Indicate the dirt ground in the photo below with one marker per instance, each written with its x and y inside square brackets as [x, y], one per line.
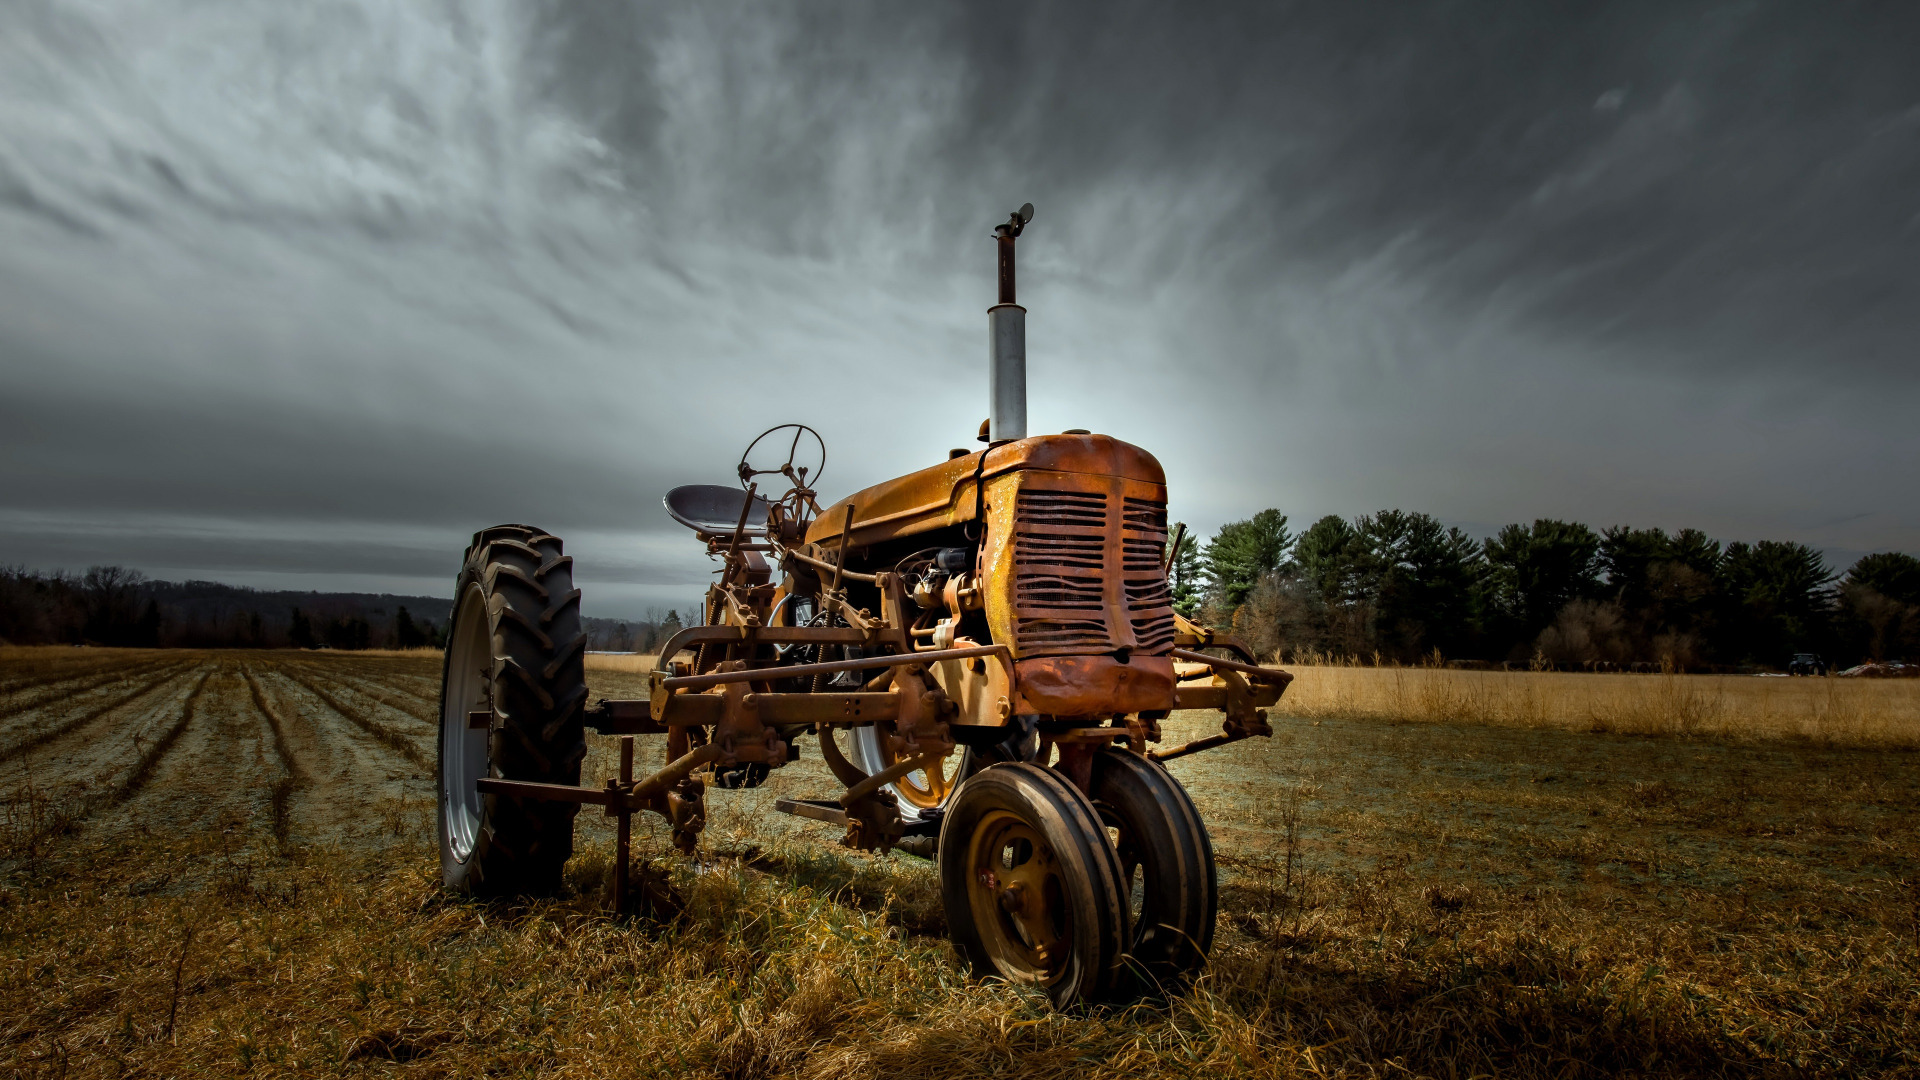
[216, 863]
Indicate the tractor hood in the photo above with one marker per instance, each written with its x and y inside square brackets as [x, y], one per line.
[947, 494]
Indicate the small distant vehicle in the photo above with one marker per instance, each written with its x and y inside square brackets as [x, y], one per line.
[1806, 663]
[992, 634]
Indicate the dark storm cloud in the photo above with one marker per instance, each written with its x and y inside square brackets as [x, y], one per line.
[1734, 183]
[390, 272]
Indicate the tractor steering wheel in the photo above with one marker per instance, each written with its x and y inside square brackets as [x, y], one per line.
[802, 476]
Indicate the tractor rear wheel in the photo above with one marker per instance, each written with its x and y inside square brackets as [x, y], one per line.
[1030, 884]
[920, 791]
[512, 705]
[1166, 865]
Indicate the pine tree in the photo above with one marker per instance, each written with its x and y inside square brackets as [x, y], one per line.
[1536, 570]
[405, 634]
[1241, 552]
[1419, 578]
[1779, 597]
[1184, 574]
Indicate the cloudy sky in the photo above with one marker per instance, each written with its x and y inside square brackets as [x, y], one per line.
[300, 295]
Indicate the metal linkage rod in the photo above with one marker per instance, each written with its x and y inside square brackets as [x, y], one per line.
[1259, 673]
[825, 566]
[638, 798]
[1193, 747]
[840, 560]
[886, 776]
[721, 678]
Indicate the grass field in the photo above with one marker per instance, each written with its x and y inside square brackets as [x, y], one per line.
[221, 863]
[1882, 713]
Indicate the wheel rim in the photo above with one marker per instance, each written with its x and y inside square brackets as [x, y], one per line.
[463, 753]
[1018, 896]
[921, 789]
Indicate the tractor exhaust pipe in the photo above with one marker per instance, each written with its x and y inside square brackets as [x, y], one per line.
[1007, 343]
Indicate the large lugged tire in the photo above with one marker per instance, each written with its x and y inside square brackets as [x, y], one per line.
[1030, 884]
[515, 649]
[1166, 863]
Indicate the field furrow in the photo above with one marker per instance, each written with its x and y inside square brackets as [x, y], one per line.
[53, 792]
[67, 689]
[48, 674]
[408, 710]
[421, 687]
[290, 773]
[399, 741]
[144, 765]
[215, 783]
[36, 738]
[413, 678]
[350, 785]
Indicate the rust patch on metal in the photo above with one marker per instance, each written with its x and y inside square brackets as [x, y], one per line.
[1096, 685]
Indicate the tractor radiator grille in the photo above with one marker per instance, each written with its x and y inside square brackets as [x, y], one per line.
[1143, 542]
[1088, 575]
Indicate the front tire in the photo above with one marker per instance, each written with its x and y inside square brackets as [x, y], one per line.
[1166, 866]
[515, 657]
[1030, 884]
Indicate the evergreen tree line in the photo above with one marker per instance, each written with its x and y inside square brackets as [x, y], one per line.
[111, 605]
[1401, 587]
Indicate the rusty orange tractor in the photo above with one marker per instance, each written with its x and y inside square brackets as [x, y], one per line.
[994, 637]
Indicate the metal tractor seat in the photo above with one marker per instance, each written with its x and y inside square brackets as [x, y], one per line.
[713, 509]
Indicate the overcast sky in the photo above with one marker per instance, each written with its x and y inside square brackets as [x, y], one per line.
[301, 294]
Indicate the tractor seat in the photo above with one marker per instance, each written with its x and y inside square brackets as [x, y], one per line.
[711, 509]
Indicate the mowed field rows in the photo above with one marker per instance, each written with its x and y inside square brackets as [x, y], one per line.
[222, 863]
[310, 751]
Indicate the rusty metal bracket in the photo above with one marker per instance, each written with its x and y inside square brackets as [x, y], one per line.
[671, 792]
[1076, 759]
[721, 678]
[623, 842]
[741, 735]
[872, 820]
[1233, 695]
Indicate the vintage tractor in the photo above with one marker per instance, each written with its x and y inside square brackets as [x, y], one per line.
[993, 634]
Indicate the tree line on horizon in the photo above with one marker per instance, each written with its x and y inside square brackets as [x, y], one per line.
[1394, 586]
[115, 606]
[1400, 587]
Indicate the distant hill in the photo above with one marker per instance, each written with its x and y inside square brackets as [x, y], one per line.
[209, 614]
[211, 602]
[113, 606]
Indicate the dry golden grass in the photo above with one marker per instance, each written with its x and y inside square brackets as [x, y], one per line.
[1821, 711]
[421, 653]
[1424, 900]
[631, 663]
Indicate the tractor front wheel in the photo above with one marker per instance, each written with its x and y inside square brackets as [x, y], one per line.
[1166, 867]
[1030, 884]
